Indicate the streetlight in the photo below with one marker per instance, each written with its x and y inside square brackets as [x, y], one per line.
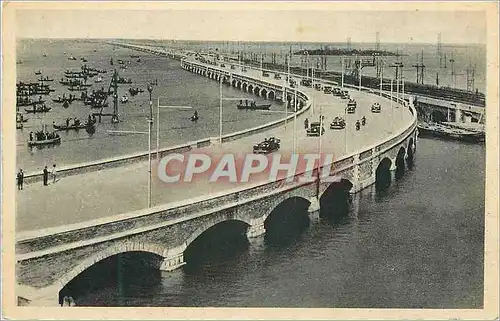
[342, 72]
[150, 124]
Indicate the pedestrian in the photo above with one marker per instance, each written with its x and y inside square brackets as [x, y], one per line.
[306, 123]
[20, 179]
[54, 173]
[45, 176]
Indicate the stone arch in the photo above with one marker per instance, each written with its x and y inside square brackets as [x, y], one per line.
[206, 226]
[233, 83]
[263, 93]
[271, 94]
[400, 162]
[244, 86]
[256, 90]
[102, 255]
[336, 199]
[304, 193]
[383, 173]
[250, 88]
[238, 84]
[287, 219]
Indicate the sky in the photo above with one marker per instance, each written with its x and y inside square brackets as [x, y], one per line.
[258, 22]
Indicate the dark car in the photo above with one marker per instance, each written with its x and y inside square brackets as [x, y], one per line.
[267, 146]
[314, 129]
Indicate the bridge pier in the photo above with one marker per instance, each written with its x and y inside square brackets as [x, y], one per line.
[256, 228]
[314, 208]
[173, 260]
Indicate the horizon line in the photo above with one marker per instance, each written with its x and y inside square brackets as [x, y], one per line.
[254, 41]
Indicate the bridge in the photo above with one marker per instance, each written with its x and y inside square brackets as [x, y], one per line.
[52, 248]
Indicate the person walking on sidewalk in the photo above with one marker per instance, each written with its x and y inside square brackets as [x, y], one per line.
[45, 176]
[54, 173]
[20, 179]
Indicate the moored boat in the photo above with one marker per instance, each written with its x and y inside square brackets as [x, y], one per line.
[446, 132]
[252, 105]
[52, 141]
[74, 126]
[43, 109]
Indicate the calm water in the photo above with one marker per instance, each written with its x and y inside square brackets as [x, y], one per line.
[420, 245]
[175, 87]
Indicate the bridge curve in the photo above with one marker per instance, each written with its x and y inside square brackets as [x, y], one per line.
[168, 229]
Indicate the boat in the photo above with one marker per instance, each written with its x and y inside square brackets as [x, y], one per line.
[252, 105]
[376, 108]
[337, 123]
[51, 141]
[19, 125]
[71, 58]
[38, 110]
[327, 89]
[74, 127]
[45, 79]
[445, 132]
[134, 56]
[44, 55]
[124, 99]
[135, 91]
[122, 80]
[38, 72]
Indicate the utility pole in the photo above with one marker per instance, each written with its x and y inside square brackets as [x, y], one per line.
[470, 72]
[420, 68]
[453, 74]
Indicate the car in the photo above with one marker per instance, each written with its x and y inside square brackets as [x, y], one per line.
[337, 92]
[277, 76]
[267, 146]
[337, 123]
[376, 108]
[351, 106]
[314, 129]
[317, 87]
[327, 89]
[265, 74]
[306, 82]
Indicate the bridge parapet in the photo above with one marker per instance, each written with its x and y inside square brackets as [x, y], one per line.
[47, 260]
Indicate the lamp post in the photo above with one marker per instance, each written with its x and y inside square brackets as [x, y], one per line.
[392, 107]
[342, 72]
[150, 124]
[345, 131]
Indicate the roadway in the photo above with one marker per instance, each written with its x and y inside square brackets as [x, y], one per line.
[123, 189]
